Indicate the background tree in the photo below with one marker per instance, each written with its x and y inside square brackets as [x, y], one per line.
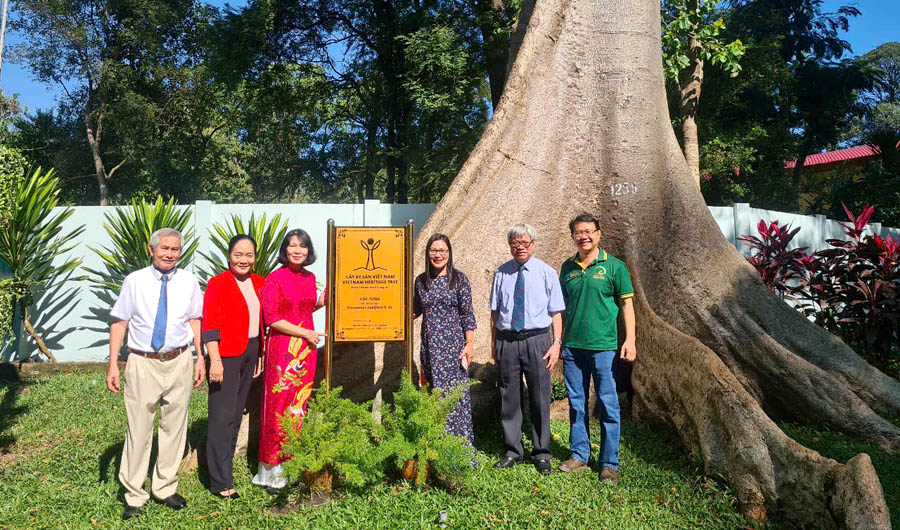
[126, 70]
[767, 115]
[495, 19]
[719, 357]
[885, 59]
[406, 88]
[690, 39]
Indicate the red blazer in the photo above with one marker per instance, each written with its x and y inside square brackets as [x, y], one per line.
[225, 313]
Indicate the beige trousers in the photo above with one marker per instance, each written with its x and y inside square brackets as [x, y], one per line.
[151, 384]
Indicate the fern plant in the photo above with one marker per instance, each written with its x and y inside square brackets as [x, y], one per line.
[130, 229]
[267, 234]
[414, 433]
[337, 436]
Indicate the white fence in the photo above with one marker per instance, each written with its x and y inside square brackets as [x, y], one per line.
[73, 318]
[815, 230]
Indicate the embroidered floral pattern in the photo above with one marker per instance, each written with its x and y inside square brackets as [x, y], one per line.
[290, 361]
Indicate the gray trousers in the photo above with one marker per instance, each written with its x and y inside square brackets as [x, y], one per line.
[514, 358]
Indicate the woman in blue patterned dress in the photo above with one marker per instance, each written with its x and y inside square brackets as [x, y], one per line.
[444, 297]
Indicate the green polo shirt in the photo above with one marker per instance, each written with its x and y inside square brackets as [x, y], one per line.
[592, 295]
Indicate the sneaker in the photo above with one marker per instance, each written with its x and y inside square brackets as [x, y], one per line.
[609, 474]
[571, 465]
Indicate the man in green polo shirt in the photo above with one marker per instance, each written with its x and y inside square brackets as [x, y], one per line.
[594, 285]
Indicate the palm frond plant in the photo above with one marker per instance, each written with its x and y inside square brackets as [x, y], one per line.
[267, 234]
[31, 239]
[414, 437]
[335, 445]
[130, 229]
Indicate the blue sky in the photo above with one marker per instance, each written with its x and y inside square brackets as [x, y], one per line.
[879, 23]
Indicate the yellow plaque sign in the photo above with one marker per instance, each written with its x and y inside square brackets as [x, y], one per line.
[370, 297]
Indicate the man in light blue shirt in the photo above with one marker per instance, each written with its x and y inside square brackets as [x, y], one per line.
[526, 328]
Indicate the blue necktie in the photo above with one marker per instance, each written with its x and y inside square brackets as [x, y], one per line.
[518, 314]
[159, 325]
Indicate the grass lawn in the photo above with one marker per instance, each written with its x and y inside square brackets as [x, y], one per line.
[61, 440]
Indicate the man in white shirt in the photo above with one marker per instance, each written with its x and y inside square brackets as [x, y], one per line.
[160, 306]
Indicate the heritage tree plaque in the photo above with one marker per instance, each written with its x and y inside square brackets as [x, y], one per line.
[369, 287]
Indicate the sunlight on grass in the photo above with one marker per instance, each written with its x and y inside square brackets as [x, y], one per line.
[64, 437]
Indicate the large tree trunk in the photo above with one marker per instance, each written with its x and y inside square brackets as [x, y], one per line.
[583, 126]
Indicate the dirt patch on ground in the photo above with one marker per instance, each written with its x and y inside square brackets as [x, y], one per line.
[308, 499]
[8, 457]
[24, 371]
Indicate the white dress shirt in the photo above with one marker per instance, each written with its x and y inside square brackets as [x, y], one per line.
[139, 299]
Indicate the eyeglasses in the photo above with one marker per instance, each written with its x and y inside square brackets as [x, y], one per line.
[521, 244]
[581, 233]
[439, 252]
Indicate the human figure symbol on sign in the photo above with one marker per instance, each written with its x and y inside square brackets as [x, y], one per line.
[370, 245]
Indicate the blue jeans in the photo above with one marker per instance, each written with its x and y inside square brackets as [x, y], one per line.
[578, 366]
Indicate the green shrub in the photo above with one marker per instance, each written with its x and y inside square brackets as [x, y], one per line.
[414, 430]
[558, 390]
[9, 297]
[336, 434]
[12, 171]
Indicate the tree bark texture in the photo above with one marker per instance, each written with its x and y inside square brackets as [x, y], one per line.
[583, 126]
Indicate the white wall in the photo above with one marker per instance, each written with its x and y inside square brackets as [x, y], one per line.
[73, 318]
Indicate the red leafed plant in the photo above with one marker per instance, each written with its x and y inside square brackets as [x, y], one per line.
[778, 265]
[852, 289]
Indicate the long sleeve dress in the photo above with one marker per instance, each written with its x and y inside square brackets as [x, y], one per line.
[447, 315]
[290, 364]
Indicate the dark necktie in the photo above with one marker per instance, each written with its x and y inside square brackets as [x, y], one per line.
[158, 339]
[518, 314]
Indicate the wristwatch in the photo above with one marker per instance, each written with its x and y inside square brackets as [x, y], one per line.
[558, 341]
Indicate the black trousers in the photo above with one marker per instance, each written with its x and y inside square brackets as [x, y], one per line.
[517, 357]
[226, 407]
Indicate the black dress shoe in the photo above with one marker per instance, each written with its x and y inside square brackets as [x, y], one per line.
[174, 501]
[543, 466]
[507, 462]
[273, 491]
[130, 511]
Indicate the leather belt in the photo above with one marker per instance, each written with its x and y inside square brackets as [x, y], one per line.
[510, 335]
[165, 356]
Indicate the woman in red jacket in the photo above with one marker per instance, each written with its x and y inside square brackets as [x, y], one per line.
[232, 332]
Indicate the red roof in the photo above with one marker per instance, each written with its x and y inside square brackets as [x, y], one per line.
[832, 159]
[820, 161]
